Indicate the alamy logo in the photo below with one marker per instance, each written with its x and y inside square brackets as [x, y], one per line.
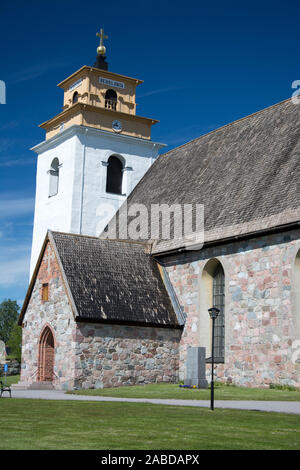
[184, 224]
[2, 92]
[295, 95]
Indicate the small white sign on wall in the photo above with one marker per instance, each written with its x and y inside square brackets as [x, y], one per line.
[113, 83]
[75, 84]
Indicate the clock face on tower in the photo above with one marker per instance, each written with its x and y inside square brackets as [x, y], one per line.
[117, 126]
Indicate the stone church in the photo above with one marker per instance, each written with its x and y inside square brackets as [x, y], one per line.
[103, 312]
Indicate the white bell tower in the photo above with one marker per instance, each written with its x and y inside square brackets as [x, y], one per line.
[96, 151]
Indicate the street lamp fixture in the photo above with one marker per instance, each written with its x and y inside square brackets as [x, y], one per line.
[213, 312]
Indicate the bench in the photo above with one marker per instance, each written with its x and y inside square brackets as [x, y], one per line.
[4, 388]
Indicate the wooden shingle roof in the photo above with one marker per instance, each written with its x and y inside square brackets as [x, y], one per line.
[246, 174]
[113, 281]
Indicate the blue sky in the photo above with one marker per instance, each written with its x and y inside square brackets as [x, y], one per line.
[204, 64]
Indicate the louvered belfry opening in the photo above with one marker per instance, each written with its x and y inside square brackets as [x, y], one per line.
[219, 302]
[111, 100]
[46, 356]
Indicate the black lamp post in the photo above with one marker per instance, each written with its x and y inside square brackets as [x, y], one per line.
[213, 312]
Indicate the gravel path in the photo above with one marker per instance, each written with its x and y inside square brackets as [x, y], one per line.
[277, 406]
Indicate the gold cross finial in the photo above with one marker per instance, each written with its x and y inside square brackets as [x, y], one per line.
[101, 49]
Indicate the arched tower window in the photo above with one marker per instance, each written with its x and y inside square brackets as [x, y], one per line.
[54, 177]
[111, 99]
[212, 293]
[75, 97]
[114, 175]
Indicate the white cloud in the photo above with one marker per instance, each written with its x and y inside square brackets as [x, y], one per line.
[8, 143]
[35, 71]
[14, 271]
[14, 263]
[9, 125]
[8, 162]
[161, 90]
[187, 134]
[5, 144]
[20, 302]
[15, 207]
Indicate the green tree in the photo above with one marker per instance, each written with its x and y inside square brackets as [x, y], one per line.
[9, 312]
[15, 342]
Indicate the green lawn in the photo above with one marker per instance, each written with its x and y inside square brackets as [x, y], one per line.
[174, 391]
[46, 424]
[11, 379]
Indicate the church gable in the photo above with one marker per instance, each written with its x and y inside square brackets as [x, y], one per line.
[46, 278]
[48, 325]
[118, 298]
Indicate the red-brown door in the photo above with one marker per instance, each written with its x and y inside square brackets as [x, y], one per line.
[46, 356]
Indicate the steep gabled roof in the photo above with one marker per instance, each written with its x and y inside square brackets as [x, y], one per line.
[111, 281]
[246, 174]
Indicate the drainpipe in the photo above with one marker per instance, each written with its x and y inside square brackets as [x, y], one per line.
[82, 180]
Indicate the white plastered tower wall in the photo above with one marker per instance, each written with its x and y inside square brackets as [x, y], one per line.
[53, 212]
[82, 204]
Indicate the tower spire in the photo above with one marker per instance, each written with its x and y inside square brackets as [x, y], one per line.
[101, 51]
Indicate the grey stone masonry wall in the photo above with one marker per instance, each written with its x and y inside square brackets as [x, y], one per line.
[262, 308]
[114, 355]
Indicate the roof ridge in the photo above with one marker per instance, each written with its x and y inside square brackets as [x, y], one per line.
[152, 167]
[72, 234]
[136, 242]
[227, 125]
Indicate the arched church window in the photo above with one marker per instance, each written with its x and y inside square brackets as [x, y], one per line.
[111, 99]
[218, 301]
[75, 97]
[296, 302]
[114, 175]
[54, 177]
[212, 294]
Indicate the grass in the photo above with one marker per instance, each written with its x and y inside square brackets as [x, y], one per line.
[223, 392]
[13, 356]
[11, 379]
[45, 424]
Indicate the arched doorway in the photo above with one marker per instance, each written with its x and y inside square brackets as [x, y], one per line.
[46, 356]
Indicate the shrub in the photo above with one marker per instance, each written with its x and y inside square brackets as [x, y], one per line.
[289, 388]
